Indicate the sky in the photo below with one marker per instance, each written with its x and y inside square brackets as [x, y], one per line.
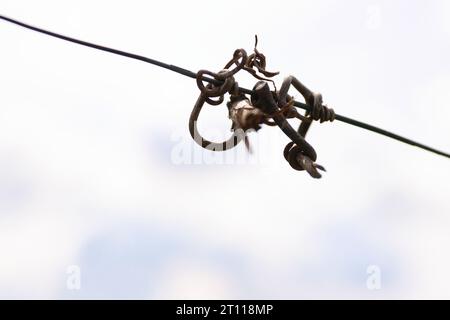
[104, 195]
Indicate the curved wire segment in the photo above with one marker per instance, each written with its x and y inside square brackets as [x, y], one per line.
[193, 75]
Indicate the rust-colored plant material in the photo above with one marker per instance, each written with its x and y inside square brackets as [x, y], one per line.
[264, 106]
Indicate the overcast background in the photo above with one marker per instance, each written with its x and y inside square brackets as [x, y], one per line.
[99, 177]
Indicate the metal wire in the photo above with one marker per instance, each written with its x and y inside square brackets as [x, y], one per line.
[193, 75]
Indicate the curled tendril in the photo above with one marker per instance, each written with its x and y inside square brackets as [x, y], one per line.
[256, 63]
[299, 161]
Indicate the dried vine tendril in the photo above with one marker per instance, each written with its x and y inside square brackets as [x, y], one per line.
[264, 106]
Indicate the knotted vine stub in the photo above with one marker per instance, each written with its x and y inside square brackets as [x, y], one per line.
[263, 107]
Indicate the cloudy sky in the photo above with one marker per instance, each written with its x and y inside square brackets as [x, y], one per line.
[100, 181]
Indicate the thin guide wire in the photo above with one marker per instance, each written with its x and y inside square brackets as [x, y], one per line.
[193, 75]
